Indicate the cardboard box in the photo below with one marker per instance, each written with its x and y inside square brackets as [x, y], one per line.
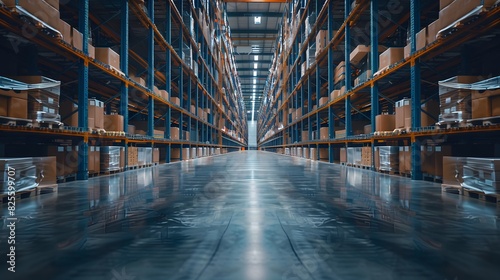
[65, 30]
[156, 155]
[322, 101]
[40, 9]
[91, 51]
[459, 8]
[305, 135]
[138, 80]
[390, 56]
[495, 106]
[4, 108]
[76, 39]
[321, 39]
[131, 129]
[403, 111]
[174, 133]
[175, 100]
[113, 122]
[430, 113]
[17, 108]
[444, 3]
[432, 30]
[359, 53]
[453, 168]
[439, 153]
[385, 122]
[96, 111]
[175, 154]
[323, 133]
[10, 93]
[367, 129]
[108, 56]
[421, 42]
[481, 108]
[91, 123]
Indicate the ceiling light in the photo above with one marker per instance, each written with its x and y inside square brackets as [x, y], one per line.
[254, 86]
[257, 20]
[254, 81]
[255, 73]
[255, 65]
[256, 58]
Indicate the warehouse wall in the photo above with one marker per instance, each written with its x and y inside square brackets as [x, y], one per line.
[252, 134]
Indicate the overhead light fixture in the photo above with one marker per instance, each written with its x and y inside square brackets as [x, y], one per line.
[257, 20]
[254, 81]
[255, 65]
[254, 86]
[255, 73]
[256, 58]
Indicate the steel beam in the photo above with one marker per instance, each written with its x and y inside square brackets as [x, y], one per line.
[374, 60]
[416, 168]
[347, 52]
[83, 91]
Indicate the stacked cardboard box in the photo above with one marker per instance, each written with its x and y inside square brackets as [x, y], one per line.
[305, 135]
[113, 122]
[388, 158]
[94, 162]
[389, 57]
[485, 104]
[111, 158]
[108, 56]
[174, 133]
[14, 104]
[403, 111]
[366, 156]
[339, 73]
[453, 170]
[385, 122]
[455, 104]
[421, 38]
[482, 174]
[132, 156]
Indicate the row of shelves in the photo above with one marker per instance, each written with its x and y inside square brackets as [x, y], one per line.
[312, 87]
[164, 67]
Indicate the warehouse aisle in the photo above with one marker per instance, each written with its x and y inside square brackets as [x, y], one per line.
[254, 215]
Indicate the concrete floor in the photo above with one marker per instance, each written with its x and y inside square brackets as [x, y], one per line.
[253, 215]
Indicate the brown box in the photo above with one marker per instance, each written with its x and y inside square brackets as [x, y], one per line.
[17, 108]
[96, 111]
[193, 109]
[108, 56]
[439, 153]
[323, 133]
[459, 8]
[359, 53]
[481, 108]
[91, 123]
[343, 155]
[174, 133]
[322, 101]
[175, 100]
[131, 129]
[90, 159]
[444, 3]
[138, 80]
[298, 113]
[91, 51]
[390, 56]
[65, 30]
[4, 108]
[323, 153]
[40, 9]
[175, 153]
[433, 29]
[113, 122]
[453, 168]
[164, 94]
[156, 155]
[10, 93]
[367, 129]
[431, 117]
[305, 135]
[76, 39]
[385, 122]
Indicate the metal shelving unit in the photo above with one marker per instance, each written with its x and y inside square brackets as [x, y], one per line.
[163, 41]
[348, 24]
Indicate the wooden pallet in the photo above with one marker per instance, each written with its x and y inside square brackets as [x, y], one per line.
[132, 167]
[115, 133]
[432, 178]
[456, 189]
[392, 172]
[451, 124]
[66, 178]
[110, 172]
[15, 122]
[93, 174]
[490, 121]
[46, 189]
[495, 198]
[4, 198]
[403, 174]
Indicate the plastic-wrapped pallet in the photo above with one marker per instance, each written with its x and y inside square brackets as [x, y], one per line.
[482, 174]
[354, 155]
[388, 158]
[28, 173]
[110, 158]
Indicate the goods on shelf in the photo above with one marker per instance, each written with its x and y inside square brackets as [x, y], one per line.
[385, 122]
[485, 104]
[421, 39]
[108, 56]
[453, 170]
[174, 133]
[354, 155]
[29, 173]
[111, 158]
[403, 112]
[390, 57]
[321, 40]
[455, 103]
[40, 9]
[144, 156]
[482, 174]
[404, 160]
[340, 71]
[113, 122]
[361, 51]
[366, 156]
[132, 156]
[387, 158]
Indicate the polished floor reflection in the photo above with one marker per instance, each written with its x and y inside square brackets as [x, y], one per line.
[253, 215]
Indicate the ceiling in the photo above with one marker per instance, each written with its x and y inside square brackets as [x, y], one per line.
[254, 45]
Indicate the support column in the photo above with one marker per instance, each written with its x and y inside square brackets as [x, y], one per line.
[151, 69]
[374, 59]
[168, 74]
[331, 72]
[83, 91]
[347, 53]
[416, 168]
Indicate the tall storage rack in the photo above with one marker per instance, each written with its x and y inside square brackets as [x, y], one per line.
[175, 70]
[304, 103]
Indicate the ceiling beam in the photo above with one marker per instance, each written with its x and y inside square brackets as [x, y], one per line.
[264, 61]
[251, 77]
[254, 31]
[254, 14]
[266, 69]
[256, 53]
